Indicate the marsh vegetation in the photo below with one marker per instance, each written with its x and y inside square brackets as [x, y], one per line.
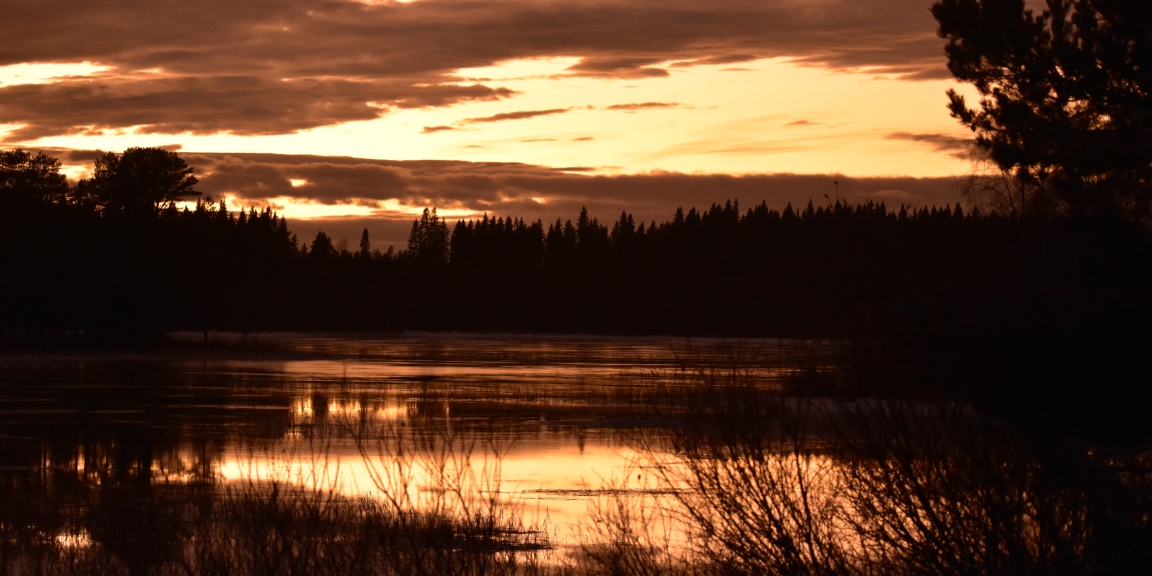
[725, 457]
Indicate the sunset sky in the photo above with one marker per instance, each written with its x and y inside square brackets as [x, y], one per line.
[347, 114]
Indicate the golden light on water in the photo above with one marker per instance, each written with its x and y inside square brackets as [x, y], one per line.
[552, 480]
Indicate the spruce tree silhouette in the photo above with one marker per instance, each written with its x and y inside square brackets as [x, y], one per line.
[365, 246]
[428, 240]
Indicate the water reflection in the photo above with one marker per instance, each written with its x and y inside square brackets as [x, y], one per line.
[556, 412]
[529, 455]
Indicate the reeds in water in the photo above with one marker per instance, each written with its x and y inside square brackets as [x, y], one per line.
[755, 479]
[431, 511]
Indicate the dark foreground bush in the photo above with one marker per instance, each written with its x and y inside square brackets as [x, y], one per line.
[753, 481]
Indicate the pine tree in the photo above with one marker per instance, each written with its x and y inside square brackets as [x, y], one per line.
[28, 178]
[140, 181]
[365, 246]
[428, 240]
[1066, 100]
[322, 246]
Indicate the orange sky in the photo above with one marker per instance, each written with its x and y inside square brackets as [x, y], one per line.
[630, 87]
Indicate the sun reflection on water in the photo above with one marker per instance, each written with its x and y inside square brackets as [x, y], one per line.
[542, 426]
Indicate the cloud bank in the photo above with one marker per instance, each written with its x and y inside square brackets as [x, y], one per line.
[952, 145]
[523, 190]
[531, 191]
[264, 67]
[512, 189]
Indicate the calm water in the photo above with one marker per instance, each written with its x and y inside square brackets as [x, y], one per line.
[648, 453]
[548, 424]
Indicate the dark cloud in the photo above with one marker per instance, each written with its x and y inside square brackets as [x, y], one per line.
[643, 106]
[802, 123]
[239, 105]
[432, 129]
[625, 68]
[509, 189]
[263, 66]
[76, 156]
[515, 189]
[513, 116]
[954, 146]
[726, 59]
[583, 139]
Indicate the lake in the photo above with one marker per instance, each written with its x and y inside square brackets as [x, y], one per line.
[496, 454]
[548, 423]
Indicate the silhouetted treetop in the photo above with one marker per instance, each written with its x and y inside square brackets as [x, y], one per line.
[428, 240]
[1066, 107]
[139, 181]
[365, 245]
[322, 246]
[28, 178]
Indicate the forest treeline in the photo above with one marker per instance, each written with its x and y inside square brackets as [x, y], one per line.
[936, 300]
[116, 253]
